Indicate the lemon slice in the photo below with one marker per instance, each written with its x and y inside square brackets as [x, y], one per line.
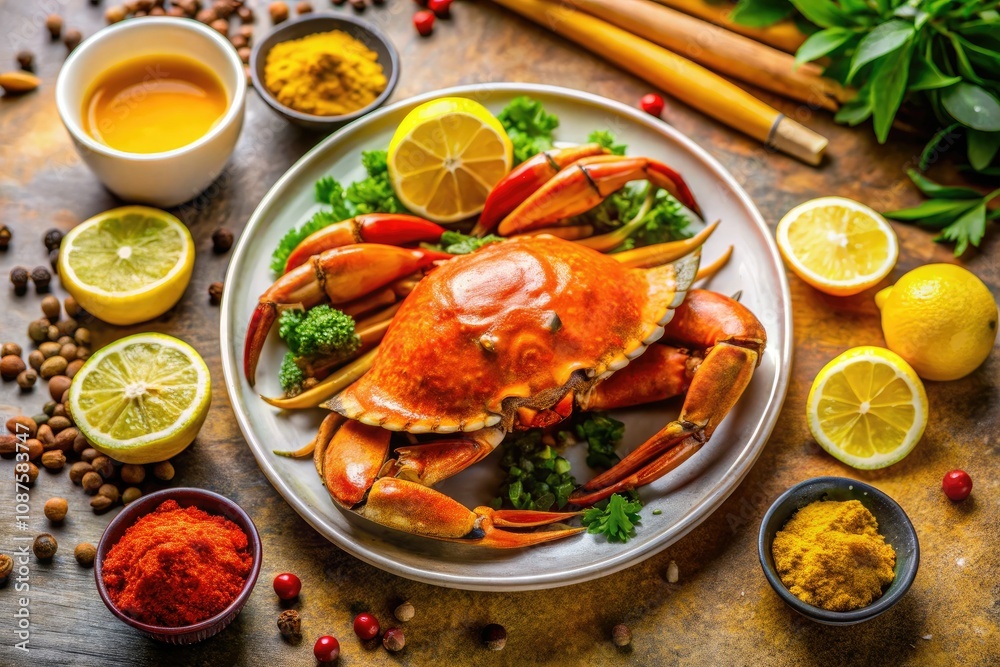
[837, 245]
[141, 399]
[127, 265]
[446, 156]
[867, 408]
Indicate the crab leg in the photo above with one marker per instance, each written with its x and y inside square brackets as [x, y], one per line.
[524, 179]
[735, 340]
[661, 372]
[388, 228]
[339, 275]
[585, 184]
[420, 510]
[664, 253]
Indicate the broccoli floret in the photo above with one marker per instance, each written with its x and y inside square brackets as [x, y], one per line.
[324, 331]
[288, 321]
[291, 376]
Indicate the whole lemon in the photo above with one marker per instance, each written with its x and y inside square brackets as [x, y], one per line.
[941, 319]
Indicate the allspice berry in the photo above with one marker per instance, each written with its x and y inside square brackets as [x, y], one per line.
[54, 24]
[78, 470]
[290, 625]
[131, 494]
[304, 7]
[26, 61]
[215, 293]
[72, 39]
[54, 459]
[100, 503]
[91, 482]
[55, 509]
[85, 553]
[393, 640]
[278, 12]
[404, 612]
[44, 547]
[109, 491]
[621, 635]
[163, 470]
[103, 466]
[221, 26]
[6, 567]
[494, 636]
[115, 14]
[133, 473]
[51, 307]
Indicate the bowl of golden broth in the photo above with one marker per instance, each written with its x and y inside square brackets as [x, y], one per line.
[154, 107]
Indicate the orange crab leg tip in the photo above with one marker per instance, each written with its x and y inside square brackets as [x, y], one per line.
[668, 179]
[332, 236]
[260, 325]
[528, 518]
[505, 539]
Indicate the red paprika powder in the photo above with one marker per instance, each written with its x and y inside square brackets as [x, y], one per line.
[177, 566]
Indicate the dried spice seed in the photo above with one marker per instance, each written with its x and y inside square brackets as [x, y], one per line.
[10, 348]
[621, 635]
[91, 482]
[6, 567]
[5, 233]
[52, 239]
[100, 503]
[54, 459]
[164, 470]
[72, 39]
[494, 636]
[404, 612]
[290, 625]
[55, 509]
[54, 24]
[78, 470]
[131, 494]
[44, 547]
[41, 277]
[19, 425]
[85, 553]
[58, 386]
[215, 293]
[11, 366]
[26, 379]
[393, 640]
[19, 278]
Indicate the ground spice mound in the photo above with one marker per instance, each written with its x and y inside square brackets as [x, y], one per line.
[831, 555]
[177, 566]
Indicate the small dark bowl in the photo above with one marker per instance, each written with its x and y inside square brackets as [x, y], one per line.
[364, 32]
[892, 523]
[212, 503]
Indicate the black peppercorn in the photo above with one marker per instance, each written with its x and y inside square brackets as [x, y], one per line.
[4, 237]
[19, 276]
[54, 260]
[494, 636]
[44, 546]
[222, 240]
[41, 277]
[72, 39]
[215, 293]
[52, 238]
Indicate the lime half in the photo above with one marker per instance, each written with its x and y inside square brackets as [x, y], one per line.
[141, 399]
[127, 265]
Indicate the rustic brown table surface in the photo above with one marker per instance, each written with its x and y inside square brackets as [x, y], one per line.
[720, 610]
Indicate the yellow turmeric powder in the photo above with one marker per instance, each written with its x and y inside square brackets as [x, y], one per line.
[831, 555]
[325, 74]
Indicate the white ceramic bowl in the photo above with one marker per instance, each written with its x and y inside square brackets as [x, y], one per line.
[171, 177]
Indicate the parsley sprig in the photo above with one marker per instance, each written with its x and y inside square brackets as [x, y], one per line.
[614, 518]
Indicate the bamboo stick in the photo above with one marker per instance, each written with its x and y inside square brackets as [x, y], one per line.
[687, 81]
[720, 50]
[783, 35]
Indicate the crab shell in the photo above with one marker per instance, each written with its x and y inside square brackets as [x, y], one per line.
[518, 323]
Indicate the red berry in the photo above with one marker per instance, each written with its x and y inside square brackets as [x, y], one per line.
[366, 626]
[441, 8]
[652, 104]
[287, 586]
[957, 485]
[424, 22]
[327, 649]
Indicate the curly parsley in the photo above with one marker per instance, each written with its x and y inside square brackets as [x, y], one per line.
[615, 518]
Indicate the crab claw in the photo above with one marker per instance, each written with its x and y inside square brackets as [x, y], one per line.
[338, 275]
[420, 510]
[586, 183]
[524, 179]
[389, 228]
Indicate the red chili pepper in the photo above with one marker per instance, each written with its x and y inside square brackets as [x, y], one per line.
[441, 8]
[423, 21]
[652, 104]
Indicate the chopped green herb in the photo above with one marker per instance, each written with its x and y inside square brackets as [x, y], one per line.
[614, 518]
[657, 512]
[607, 139]
[663, 218]
[603, 434]
[458, 243]
[538, 478]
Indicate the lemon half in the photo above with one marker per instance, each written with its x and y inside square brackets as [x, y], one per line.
[446, 156]
[867, 408]
[141, 399]
[127, 265]
[837, 245]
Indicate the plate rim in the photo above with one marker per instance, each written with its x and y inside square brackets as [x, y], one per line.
[694, 517]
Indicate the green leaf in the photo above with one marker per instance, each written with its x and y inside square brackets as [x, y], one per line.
[935, 143]
[884, 39]
[888, 86]
[962, 60]
[970, 228]
[606, 139]
[616, 520]
[987, 59]
[927, 76]
[823, 13]
[760, 13]
[982, 148]
[973, 106]
[938, 191]
[857, 110]
[932, 208]
[821, 43]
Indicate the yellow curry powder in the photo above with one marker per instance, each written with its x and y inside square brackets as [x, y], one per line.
[831, 555]
[325, 74]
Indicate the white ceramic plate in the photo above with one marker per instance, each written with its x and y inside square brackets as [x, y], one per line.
[685, 497]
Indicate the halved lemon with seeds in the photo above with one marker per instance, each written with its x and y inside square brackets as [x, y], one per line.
[837, 245]
[127, 265]
[141, 399]
[867, 408]
[446, 156]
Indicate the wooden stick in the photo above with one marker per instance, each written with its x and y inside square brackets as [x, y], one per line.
[783, 35]
[720, 50]
[687, 81]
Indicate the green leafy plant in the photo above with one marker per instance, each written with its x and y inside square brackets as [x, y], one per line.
[529, 127]
[319, 333]
[937, 58]
[615, 518]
